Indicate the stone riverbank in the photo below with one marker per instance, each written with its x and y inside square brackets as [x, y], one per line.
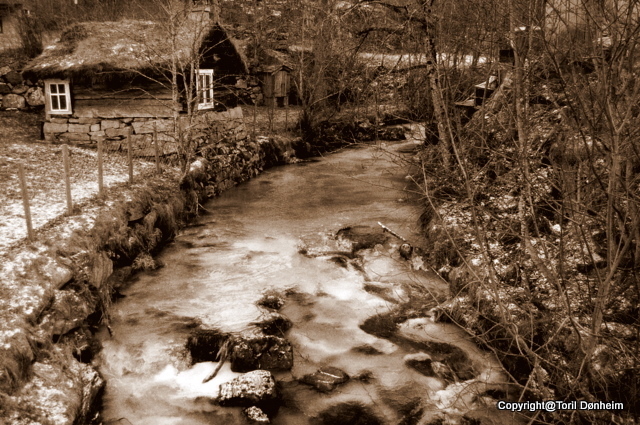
[56, 291]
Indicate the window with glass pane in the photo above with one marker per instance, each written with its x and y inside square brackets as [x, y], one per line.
[59, 97]
[205, 88]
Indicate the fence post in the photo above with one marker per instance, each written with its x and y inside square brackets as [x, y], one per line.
[67, 180]
[156, 147]
[286, 113]
[272, 114]
[130, 155]
[255, 117]
[100, 180]
[25, 201]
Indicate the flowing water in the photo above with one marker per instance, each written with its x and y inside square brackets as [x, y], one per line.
[250, 240]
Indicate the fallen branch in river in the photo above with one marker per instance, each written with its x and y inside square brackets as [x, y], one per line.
[386, 229]
[223, 353]
[406, 249]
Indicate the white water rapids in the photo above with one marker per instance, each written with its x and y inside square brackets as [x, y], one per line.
[248, 241]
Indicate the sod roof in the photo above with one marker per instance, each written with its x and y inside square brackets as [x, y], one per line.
[122, 49]
[270, 61]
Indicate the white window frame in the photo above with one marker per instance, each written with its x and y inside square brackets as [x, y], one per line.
[204, 101]
[57, 95]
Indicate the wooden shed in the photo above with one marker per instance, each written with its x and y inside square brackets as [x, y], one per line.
[484, 90]
[274, 74]
[132, 70]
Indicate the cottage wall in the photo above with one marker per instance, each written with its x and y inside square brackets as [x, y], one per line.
[145, 101]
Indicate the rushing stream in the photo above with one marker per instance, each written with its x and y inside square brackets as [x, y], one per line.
[250, 239]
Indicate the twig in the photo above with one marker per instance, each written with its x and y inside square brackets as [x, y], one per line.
[224, 351]
[386, 229]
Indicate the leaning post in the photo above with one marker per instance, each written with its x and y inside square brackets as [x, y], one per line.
[25, 201]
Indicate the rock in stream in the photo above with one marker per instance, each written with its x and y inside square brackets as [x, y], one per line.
[255, 388]
[325, 379]
[255, 350]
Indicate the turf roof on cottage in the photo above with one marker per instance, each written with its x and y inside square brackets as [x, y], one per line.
[270, 61]
[124, 49]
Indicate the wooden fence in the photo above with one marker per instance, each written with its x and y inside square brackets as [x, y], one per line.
[66, 165]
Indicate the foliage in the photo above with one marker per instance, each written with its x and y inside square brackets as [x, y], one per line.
[542, 214]
[330, 74]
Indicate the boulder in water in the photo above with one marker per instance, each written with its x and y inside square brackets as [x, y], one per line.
[381, 325]
[205, 345]
[325, 379]
[255, 388]
[271, 300]
[256, 415]
[367, 349]
[255, 350]
[349, 413]
[274, 324]
[421, 362]
[362, 237]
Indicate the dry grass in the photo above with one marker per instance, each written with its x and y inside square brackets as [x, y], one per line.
[127, 48]
[19, 143]
[269, 121]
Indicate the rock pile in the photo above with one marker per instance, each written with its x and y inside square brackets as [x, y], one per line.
[16, 93]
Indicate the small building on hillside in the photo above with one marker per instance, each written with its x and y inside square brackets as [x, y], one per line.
[105, 80]
[273, 70]
[11, 11]
[484, 90]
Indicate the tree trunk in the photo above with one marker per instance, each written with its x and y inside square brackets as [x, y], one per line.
[439, 105]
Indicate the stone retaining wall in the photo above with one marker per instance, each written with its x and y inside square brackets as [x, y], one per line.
[19, 94]
[114, 131]
[58, 288]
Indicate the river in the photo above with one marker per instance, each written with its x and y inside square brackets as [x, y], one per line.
[252, 238]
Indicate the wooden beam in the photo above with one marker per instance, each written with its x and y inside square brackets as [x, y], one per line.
[135, 108]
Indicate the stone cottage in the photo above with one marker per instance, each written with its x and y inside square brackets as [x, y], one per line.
[108, 80]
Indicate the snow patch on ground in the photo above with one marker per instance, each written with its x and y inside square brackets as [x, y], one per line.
[44, 175]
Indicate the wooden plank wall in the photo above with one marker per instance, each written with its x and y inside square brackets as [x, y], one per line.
[130, 102]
